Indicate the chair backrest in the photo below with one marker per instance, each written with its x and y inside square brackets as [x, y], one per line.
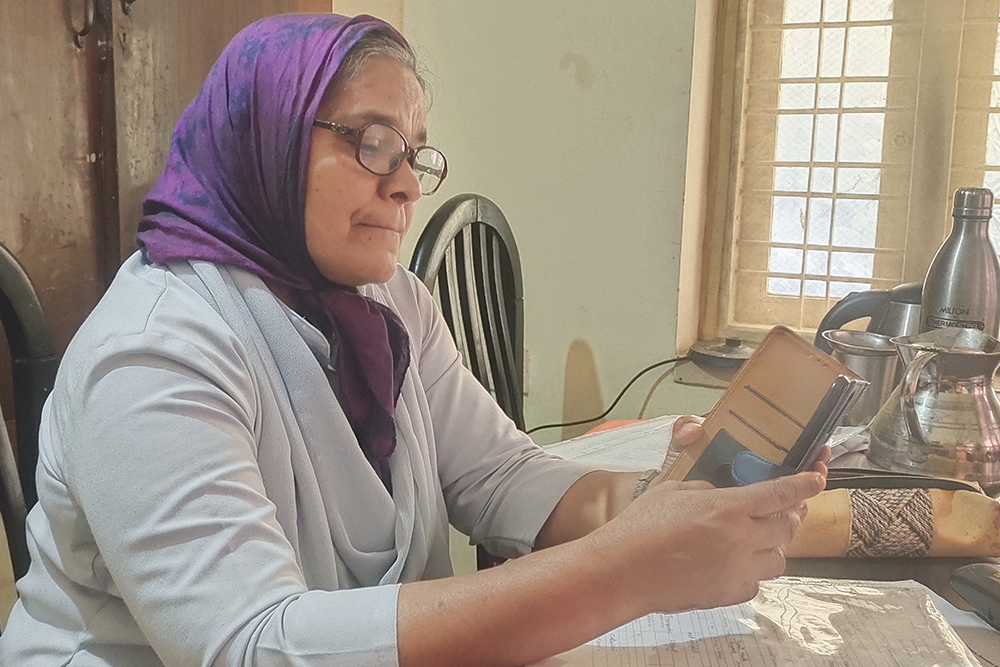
[467, 257]
[34, 364]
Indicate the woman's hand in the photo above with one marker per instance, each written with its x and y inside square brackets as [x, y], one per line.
[598, 497]
[680, 545]
[685, 545]
[686, 431]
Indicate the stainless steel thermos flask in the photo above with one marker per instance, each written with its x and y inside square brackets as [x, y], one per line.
[962, 287]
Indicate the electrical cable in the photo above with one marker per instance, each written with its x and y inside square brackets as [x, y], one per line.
[614, 402]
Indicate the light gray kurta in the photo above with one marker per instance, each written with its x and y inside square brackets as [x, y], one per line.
[203, 500]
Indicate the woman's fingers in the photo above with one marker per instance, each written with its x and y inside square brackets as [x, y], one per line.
[769, 563]
[777, 529]
[776, 495]
[690, 485]
[686, 430]
[824, 455]
[821, 461]
[695, 485]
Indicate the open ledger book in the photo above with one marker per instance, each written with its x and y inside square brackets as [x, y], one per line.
[778, 411]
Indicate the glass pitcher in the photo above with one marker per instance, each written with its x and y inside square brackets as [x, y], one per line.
[944, 417]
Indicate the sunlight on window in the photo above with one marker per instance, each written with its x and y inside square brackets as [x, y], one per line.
[849, 125]
[991, 179]
[832, 96]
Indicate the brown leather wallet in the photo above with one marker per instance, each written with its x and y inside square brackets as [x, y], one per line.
[769, 401]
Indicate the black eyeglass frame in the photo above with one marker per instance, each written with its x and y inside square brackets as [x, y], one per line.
[409, 153]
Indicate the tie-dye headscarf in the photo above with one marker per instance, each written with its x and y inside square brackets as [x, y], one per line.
[233, 193]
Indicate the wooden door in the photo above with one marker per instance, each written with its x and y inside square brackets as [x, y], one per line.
[85, 129]
[48, 203]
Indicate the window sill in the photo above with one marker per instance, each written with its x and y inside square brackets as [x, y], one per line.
[693, 375]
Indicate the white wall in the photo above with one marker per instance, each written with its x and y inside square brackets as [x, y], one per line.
[572, 116]
[387, 10]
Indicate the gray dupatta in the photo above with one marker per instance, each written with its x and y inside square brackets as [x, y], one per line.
[345, 528]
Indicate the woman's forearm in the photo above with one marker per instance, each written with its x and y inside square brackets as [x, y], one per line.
[679, 546]
[520, 612]
[591, 502]
[532, 607]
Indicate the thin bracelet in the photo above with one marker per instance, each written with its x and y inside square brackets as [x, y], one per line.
[644, 482]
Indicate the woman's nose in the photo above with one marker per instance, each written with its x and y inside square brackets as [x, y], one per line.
[402, 185]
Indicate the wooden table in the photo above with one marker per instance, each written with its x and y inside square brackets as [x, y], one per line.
[931, 572]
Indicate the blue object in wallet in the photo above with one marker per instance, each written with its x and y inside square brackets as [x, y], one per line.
[725, 462]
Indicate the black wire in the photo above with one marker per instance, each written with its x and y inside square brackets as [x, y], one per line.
[614, 402]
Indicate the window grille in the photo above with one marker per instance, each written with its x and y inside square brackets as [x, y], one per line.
[855, 121]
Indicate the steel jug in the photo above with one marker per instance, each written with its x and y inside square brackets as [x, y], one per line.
[874, 358]
[944, 417]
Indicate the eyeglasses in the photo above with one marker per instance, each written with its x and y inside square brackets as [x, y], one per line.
[381, 150]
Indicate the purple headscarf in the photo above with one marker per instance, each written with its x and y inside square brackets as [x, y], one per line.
[233, 193]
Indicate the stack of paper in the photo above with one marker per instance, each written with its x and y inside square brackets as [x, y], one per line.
[793, 622]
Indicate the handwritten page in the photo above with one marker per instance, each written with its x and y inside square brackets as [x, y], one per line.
[792, 622]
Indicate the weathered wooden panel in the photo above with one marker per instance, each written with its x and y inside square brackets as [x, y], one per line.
[51, 138]
[47, 201]
[163, 51]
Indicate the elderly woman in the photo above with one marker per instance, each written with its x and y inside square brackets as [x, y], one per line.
[256, 442]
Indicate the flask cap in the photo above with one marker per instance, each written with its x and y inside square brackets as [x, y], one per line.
[973, 203]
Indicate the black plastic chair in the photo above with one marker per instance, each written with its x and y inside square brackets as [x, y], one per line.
[34, 369]
[467, 258]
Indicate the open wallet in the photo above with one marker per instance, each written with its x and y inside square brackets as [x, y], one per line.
[778, 412]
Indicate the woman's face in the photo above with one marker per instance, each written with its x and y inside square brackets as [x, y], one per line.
[356, 220]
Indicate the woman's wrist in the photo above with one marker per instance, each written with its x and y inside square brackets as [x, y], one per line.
[644, 482]
[611, 554]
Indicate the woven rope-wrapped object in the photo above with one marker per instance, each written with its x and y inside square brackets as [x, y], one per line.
[890, 522]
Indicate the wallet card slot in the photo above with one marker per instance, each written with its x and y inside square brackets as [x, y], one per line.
[756, 431]
[774, 406]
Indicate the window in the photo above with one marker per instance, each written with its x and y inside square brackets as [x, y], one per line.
[977, 133]
[852, 122]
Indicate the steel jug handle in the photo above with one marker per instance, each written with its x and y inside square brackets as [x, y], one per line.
[908, 388]
[852, 307]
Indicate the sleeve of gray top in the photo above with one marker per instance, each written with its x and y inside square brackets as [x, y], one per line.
[160, 456]
[499, 486]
